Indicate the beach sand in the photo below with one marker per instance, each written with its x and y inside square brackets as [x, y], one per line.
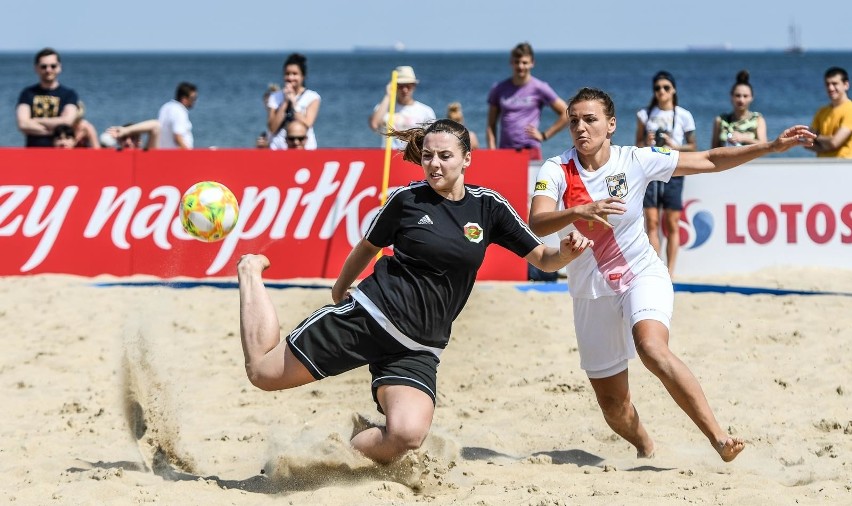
[132, 395]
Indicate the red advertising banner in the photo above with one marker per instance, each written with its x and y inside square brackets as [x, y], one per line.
[91, 212]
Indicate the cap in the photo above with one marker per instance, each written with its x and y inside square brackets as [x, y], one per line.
[664, 75]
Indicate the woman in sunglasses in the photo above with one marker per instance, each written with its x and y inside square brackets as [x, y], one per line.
[664, 124]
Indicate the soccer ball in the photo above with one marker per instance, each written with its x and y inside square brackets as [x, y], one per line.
[208, 211]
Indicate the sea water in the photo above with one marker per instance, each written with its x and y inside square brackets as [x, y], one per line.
[120, 88]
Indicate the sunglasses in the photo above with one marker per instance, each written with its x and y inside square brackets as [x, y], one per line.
[662, 87]
[294, 138]
[45, 66]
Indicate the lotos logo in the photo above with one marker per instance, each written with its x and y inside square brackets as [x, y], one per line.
[695, 226]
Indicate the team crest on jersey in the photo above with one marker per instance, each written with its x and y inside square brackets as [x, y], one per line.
[661, 150]
[617, 185]
[540, 185]
[473, 232]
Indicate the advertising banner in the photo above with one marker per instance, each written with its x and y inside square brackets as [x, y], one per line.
[89, 212]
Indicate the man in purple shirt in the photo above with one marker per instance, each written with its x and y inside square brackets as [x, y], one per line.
[517, 102]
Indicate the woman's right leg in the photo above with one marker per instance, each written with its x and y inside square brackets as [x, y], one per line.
[408, 414]
[613, 395]
[270, 364]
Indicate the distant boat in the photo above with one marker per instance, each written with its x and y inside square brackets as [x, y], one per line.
[795, 39]
[711, 48]
[397, 47]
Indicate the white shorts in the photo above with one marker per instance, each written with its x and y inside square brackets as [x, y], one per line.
[604, 325]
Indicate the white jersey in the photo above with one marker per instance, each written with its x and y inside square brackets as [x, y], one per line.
[278, 140]
[677, 123]
[407, 116]
[174, 119]
[621, 253]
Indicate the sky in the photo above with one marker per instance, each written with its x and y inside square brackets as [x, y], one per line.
[425, 25]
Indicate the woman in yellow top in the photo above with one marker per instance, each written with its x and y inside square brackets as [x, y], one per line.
[741, 126]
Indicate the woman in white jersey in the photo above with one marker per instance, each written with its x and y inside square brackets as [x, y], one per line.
[622, 292]
[399, 318]
[293, 102]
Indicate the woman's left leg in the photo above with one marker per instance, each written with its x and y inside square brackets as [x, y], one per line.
[652, 345]
[672, 225]
[408, 412]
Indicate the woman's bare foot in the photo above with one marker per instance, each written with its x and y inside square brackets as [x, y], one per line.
[730, 448]
[252, 264]
[647, 453]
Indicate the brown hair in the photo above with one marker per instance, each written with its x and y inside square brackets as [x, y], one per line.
[589, 94]
[523, 49]
[46, 52]
[414, 137]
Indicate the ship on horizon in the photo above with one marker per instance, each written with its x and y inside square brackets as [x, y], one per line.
[397, 47]
[795, 33]
[711, 48]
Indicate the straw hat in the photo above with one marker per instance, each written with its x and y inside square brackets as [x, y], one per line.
[405, 75]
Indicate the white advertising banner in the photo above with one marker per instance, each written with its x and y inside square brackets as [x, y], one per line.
[767, 213]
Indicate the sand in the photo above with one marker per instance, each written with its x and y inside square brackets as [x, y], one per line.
[132, 395]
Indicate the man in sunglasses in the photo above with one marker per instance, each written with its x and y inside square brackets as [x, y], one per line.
[44, 106]
[297, 134]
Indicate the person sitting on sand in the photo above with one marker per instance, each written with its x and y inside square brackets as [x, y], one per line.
[399, 318]
[622, 293]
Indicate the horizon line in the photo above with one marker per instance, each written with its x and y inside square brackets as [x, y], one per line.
[390, 50]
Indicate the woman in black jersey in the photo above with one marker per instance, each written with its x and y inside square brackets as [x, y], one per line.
[398, 319]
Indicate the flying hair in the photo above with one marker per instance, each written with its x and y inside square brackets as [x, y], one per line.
[414, 137]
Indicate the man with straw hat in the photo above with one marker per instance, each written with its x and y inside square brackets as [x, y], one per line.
[409, 112]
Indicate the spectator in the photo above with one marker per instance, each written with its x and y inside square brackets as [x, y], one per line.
[44, 106]
[665, 124]
[175, 127]
[454, 112]
[262, 141]
[408, 112]
[129, 136]
[741, 126]
[297, 135]
[517, 103]
[833, 122]
[63, 137]
[85, 134]
[293, 102]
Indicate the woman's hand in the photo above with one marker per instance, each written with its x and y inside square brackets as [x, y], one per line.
[798, 135]
[573, 244]
[289, 94]
[599, 210]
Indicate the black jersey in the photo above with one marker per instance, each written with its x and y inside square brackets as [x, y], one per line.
[46, 103]
[438, 247]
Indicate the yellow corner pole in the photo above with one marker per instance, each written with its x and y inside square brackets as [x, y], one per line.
[388, 143]
[388, 139]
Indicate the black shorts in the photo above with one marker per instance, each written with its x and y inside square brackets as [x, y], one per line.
[666, 195]
[340, 337]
